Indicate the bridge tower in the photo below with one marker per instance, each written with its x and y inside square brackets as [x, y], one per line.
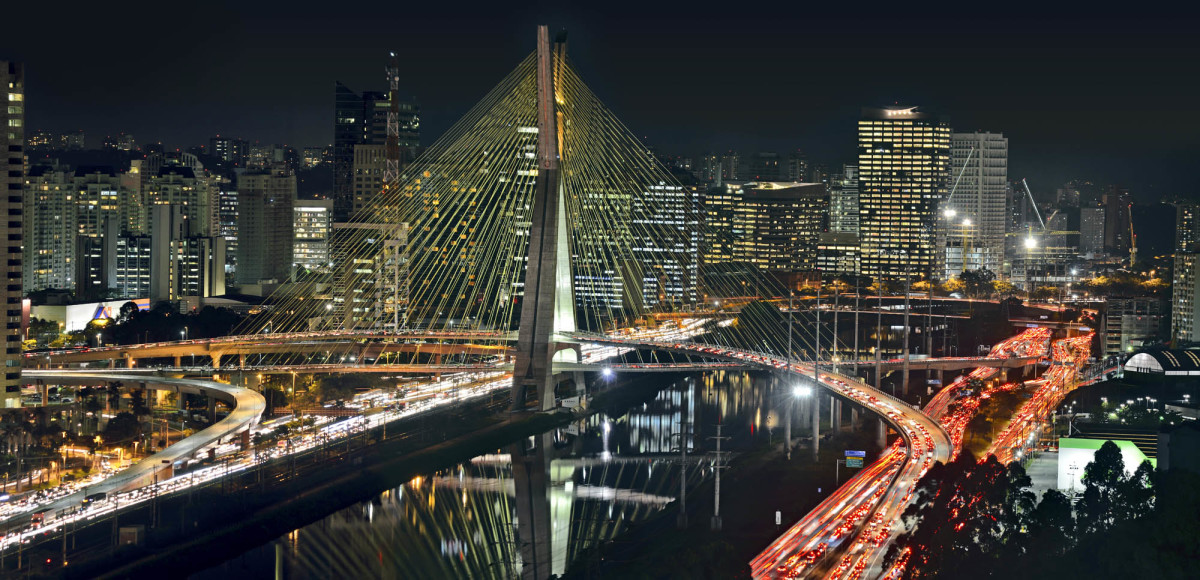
[549, 303]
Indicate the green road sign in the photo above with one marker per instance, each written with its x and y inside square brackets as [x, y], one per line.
[854, 462]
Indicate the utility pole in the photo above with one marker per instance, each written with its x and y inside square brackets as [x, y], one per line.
[682, 520]
[715, 524]
[787, 422]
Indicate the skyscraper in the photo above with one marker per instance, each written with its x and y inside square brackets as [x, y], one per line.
[843, 201]
[265, 225]
[1091, 230]
[972, 221]
[1117, 204]
[1185, 289]
[362, 120]
[777, 225]
[12, 142]
[903, 163]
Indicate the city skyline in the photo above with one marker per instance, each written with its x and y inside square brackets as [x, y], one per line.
[1092, 99]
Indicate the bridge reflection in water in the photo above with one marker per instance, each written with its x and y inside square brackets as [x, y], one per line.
[531, 508]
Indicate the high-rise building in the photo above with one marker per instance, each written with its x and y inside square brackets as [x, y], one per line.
[50, 229]
[1185, 283]
[1185, 298]
[777, 225]
[843, 201]
[227, 222]
[718, 208]
[370, 278]
[797, 166]
[179, 179]
[1131, 323]
[903, 165]
[266, 218]
[312, 224]
[1117, 205]
[764, 166]
[12, 143]
[731, 166]
[1091, 230]
[229, 150]
[1068, 195]
[362, 120]
[972, 220]
[838, 253]
[370, 163]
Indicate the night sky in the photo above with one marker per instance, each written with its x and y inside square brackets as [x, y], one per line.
[1107, 97]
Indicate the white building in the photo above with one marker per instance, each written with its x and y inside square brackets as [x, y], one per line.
[972, 221]
[311, 229]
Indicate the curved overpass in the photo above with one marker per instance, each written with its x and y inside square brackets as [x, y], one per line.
[247, 405]
[876, 494]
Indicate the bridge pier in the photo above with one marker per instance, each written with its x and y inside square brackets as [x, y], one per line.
[837, 413]
[178, 361]
[815, 419]
[212, 409]
[853, 417]
[881, 434]
[241, 359]
[130, 362]
[216, 360]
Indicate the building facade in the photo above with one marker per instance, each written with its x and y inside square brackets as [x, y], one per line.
[903, 164]
[12, 143]
[843, 201]
[777, 225]
[310, 250]
[1131, 323]
[973, 216]
[266, 218]
[1091, 231]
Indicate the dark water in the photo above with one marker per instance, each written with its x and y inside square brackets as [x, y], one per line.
[536, 503]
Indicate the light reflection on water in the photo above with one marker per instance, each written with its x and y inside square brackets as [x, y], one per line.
[538, 503]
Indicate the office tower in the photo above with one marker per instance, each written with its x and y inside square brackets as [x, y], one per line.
[370, 163]
[903, 163]
[717, 208]
[362, 120]
[370, 279]
[227, 221]
[265, 225]
[312, 157]
[797, 166]
[229, 150]
[1117, 204]
[1091, 230]
[709, 169]
[1068, 195]
[312, 224]
[818, 173]
[838, 253]
[972, 222]
[170, 264]
[12, 143]
[843, 201]
[777, 225]
[1131, 323]
[178, 179]
[764, 166]
[664, 233]
[731, 166]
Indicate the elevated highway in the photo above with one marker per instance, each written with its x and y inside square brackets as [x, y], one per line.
[248, 407]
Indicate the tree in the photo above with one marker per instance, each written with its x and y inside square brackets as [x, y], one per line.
[123, 427]
[978, 282]
[1097, 511]
[1052, 524]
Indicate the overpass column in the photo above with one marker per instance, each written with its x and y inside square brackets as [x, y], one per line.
[178, 361]
[882, 434]
[216, 360]
[130, 362]
[212, 408]
[837, 414]
[44, 392]
[241, 359]
[815, 418]
[853, 417]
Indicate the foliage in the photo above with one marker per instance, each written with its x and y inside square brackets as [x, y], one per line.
[123, 427]
[338, 387]
[1126, 284]
[971, 519]
[979, 282]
